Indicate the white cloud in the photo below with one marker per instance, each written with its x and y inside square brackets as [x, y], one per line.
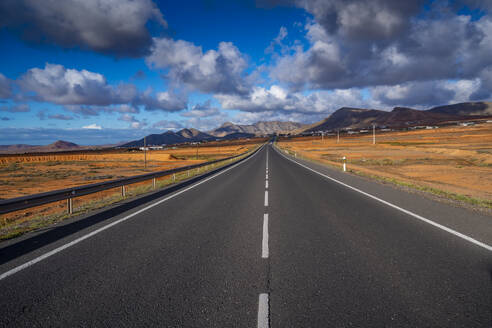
[88, 93]
[92, 126]
[402, 48]
[215, 71]
[425, 94]
[63, 86]
[202, 110]
[278, 99]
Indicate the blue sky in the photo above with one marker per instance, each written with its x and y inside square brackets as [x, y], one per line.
[101, 72]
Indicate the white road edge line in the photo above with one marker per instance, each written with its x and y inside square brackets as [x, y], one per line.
[264, 242]
[266, 197]
[266, 184]
[263, 321]
[95, 232]
[437, 225]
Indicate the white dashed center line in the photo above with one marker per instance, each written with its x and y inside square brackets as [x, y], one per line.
[264, 244]
[263, 303]
[263, 311]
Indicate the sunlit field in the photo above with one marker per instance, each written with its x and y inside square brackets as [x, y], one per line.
[452, 161]
[26, 174]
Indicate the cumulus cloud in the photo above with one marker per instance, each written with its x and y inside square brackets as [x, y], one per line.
[215, 71]
[278, 41]
[134, 123]
[280, 100]
[167, 101]
[92, 126]
[425, 94]
[202, 110]
[396, 46]
[116, 27]
[88, 93]
[59, 85]
[16, 108]
[485, 89]
[363, 20]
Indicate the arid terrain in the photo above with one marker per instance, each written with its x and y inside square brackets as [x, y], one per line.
[30, 174]
[26, 174]
[451, 161]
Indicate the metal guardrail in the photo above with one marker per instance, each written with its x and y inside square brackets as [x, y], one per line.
[20, 203]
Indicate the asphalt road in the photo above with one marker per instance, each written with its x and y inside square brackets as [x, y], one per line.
[265, 243]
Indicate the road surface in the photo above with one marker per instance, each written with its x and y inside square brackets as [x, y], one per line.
[267, 242]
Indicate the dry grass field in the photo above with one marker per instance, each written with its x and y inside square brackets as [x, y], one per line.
[22, 175]
[454, 162]
[25, 175]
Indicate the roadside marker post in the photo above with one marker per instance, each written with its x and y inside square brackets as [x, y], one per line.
[344, 164]
[70, 205]
[374, 134]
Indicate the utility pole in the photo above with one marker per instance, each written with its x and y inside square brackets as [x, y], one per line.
[373, 134]
[145, 152]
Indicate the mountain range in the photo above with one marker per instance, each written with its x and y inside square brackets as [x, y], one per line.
[357, 118]
[259, 128]
[343, 118]
[226, 131]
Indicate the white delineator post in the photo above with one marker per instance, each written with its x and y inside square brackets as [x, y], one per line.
[344, 164]
[374, 134]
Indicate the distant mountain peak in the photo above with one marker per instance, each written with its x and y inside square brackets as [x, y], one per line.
[62, 144]
[227, 124]
[259, 128]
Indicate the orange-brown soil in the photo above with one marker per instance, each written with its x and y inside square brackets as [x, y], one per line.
[455, 159]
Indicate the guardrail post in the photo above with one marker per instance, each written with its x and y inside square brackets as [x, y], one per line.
[70, 205]
[153, 183]
[174, 177]
[123, 192]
